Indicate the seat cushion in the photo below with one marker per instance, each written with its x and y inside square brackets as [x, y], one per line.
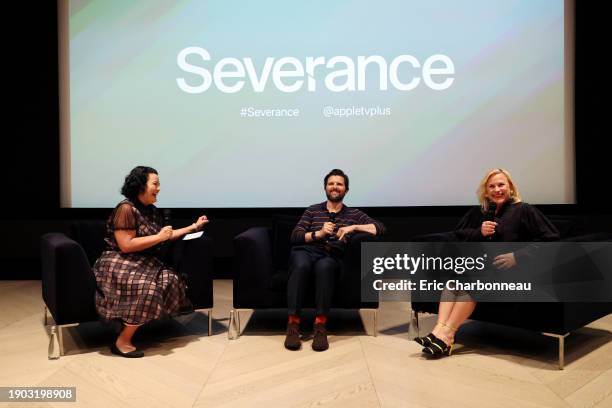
[278, 282]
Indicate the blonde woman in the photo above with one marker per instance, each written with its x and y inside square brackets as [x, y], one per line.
[501, 217]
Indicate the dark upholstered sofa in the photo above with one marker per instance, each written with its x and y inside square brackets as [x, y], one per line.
[68, 283]
[260, 272]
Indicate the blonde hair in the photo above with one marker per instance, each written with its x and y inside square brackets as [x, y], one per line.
[515, 195]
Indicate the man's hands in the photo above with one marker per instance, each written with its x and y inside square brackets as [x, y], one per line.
[344, 231]
[328, 229]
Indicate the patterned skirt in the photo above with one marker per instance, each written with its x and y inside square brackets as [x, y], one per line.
[136, 288]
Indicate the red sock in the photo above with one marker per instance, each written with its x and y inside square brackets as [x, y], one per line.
[320, 319]
[294, 319]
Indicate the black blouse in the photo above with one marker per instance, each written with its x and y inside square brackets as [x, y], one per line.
[516, 222]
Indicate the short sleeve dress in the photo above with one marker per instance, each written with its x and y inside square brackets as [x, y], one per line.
[136, 287]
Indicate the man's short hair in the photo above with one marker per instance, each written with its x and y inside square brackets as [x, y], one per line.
[337, 172]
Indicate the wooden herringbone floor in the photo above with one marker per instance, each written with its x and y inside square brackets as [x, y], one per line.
[493, 366]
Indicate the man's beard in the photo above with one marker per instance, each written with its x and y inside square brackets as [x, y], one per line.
[336, 199]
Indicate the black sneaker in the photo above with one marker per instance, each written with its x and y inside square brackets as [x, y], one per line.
[319, 341]
[293, 341]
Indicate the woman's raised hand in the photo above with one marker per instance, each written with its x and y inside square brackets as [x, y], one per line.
[165, 233]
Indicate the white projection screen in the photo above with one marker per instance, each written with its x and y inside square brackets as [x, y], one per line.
[249, 104]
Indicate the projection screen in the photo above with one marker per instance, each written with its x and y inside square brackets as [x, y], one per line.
[250, 104]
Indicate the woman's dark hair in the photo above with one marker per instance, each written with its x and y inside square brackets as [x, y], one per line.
[336, 172]
[136, 182]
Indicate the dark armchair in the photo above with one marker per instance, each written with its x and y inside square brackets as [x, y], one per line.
[556, 320]
[260, 272]
[68, 283]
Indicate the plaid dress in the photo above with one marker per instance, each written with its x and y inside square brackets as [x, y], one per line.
[135, 287]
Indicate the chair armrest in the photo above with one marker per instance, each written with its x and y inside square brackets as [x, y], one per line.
[68, 283]
[194, 261]
[350, 275]
[352, 256]
[593, 237]
[253, 263]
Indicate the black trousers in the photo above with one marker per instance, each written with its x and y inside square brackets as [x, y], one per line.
[306, 262]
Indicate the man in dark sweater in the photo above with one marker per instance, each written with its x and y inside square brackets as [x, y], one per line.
[319, 240]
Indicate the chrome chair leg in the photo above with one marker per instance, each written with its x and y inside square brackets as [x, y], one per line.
[60, 336]
[209, 313]
[235, 329]
[54, 345]
[232, 332]
[370, 328]
[55, 350]
[561, 339]
[56, 342]
[415, 321]
[375, 322]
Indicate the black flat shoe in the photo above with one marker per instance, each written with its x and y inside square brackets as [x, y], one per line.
[131, 354]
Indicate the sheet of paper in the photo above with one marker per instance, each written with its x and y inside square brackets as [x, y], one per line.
[193, 236]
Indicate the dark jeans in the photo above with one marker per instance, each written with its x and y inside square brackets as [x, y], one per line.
[304, 262]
